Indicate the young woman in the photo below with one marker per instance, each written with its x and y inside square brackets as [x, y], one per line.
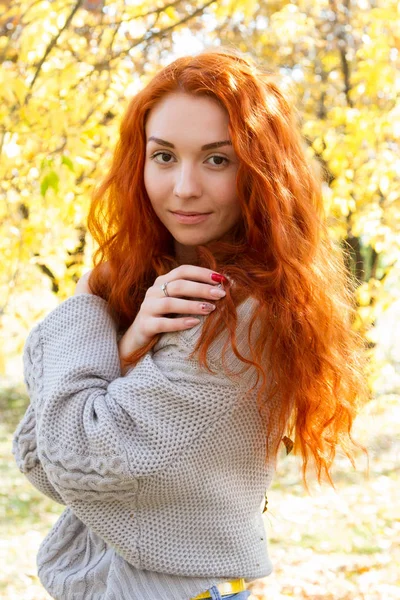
[216, 319]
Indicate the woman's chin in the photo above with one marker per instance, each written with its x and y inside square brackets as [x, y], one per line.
[192, 239]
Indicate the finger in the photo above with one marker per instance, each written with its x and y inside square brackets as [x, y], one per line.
[165, 306]
[190, 272]
[178, 324]
[189, 289]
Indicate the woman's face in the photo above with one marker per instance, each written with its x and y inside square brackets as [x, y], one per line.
[191, 167]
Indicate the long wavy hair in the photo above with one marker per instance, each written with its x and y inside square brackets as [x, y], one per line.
[279, 253]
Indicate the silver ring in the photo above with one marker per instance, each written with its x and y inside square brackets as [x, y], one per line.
[164, 288]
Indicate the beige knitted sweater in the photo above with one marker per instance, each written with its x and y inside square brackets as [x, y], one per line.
[162, 470]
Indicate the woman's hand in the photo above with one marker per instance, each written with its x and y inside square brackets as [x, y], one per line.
[184, 281]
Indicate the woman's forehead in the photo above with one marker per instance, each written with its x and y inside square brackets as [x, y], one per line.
[183, 117]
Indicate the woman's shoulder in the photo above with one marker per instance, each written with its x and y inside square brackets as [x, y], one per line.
[220, 352]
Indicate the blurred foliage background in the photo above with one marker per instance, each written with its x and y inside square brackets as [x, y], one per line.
[68, 69]
[67, 72]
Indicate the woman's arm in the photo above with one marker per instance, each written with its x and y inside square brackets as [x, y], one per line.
[25, 452]
[97, 432]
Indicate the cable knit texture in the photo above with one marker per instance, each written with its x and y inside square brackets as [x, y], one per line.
[162, 470]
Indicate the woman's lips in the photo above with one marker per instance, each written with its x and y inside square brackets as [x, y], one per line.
[190, 219]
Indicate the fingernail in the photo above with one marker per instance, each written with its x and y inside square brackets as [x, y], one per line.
[219, 278]
[207, 306]
[191, 322]
[217, 293]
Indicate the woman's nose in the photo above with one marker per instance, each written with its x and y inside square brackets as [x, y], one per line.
[187, 183]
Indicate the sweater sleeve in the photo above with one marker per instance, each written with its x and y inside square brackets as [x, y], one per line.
[96, 431]
[24, 449]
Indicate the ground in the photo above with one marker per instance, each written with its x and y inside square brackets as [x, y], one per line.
[341, 544]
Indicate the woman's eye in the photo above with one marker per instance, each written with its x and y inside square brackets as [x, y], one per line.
[163, 158]
[166, 158]
[219, 160]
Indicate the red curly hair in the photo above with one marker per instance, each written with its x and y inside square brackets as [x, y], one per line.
[280, 251]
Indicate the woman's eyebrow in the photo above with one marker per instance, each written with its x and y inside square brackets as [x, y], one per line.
[205, 147]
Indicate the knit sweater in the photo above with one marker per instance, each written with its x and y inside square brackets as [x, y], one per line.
[162, 470]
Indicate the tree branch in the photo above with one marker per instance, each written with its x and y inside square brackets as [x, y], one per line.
[341, 36]
[51, 46]
[159, 34]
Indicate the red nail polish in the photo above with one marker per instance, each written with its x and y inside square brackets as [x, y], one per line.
[219, 278]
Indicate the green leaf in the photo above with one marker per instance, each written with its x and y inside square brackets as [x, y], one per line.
[51, 180]
[68, 162]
